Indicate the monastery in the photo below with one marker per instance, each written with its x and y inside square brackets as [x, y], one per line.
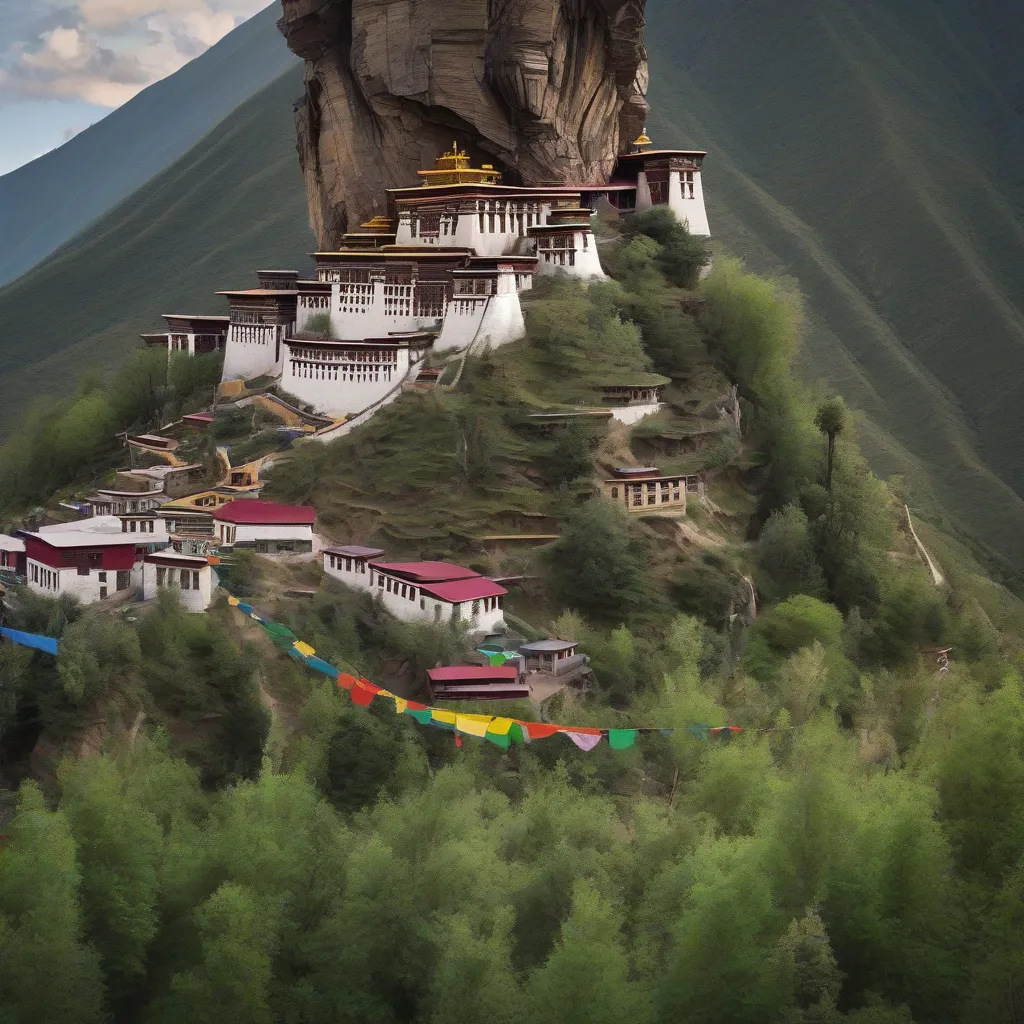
[441, 272]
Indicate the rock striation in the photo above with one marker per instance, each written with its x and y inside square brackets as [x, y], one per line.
[549, 91]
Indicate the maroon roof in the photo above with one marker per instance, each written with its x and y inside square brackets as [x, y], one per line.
[354, 551]
[265, 513]
[198, 417]
[472, 673]
[457, 591]
[427, 572]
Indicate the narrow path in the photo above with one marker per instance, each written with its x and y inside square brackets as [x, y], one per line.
[937, 578]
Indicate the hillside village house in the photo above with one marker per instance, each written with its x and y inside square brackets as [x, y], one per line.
[194, 335]
[190, 575]
[420, 591]
[555, 657]
[644, 491]
[89, 566]
[266, 526]
[476, 682]
[632, 396]
[12, 555]
[115, 503]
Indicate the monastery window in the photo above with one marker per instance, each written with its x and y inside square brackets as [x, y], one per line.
[429, 224]
[412, 593]
[638, 495]
[476, 609]
[423, 605]
[161, 576]
[687, 183]
[658, 192]
[103, 577]
[615, 493]
[185, 579]
[675, 492]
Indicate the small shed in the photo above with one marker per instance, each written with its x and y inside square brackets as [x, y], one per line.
[476, 682]
[556, 657]
[190, 575]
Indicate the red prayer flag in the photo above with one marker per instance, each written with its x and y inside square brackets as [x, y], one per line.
[345, 681]
[416, 706]
[540, 730]
[363, 693]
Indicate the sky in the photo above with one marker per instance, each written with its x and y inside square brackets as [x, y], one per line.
[65, 64]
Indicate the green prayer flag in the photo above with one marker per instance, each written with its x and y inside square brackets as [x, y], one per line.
[620, 739]
[515, 733]
[498, 740]
[424, 717]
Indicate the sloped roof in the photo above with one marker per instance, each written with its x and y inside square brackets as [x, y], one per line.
[427, 572]
[354, 551]
[471, 673]
[457, 591]
[251, 511]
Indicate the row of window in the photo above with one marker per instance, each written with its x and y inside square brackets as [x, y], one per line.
[43, 577]
[138, 526]
[315, 301]
[373, 356]
[261, 335]
[186, 579]
[349, 564]
[320, 371]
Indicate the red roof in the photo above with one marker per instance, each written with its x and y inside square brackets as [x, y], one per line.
[265, 513]
[427, 572]
[456, 591]
[472, 673]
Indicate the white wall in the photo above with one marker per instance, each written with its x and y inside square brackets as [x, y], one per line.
[248, 534]
[338, 397]
[480, 320]
[252, 358]
[85, 588]
[586, 261]
[634, 413]
[375, 310]
[192, 600]
[424, 607]
[689, 211]
[326, 436]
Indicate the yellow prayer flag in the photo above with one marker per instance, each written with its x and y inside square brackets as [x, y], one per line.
[443, 716]
[303, 648]
[500, 726]
[400, 705]
[233, 601]
[472, 725]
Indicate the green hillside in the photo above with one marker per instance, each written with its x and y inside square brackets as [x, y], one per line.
[871, 151]
[50, 200]
[234, 202]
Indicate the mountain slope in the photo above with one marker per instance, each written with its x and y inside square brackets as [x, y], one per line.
[46, 202]
[872, 150]
[233, 203]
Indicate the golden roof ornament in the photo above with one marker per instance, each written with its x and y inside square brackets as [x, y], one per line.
[454, 168]
[643, 142]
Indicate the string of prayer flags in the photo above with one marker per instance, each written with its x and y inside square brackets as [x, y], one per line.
[39, 643]
[502, 732]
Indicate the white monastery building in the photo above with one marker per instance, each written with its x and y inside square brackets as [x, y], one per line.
[443, 271]
[88, 565]
[420, 591]
[190, 575]
[266, 526]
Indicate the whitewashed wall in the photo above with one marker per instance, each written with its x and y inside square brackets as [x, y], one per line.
[247, 359]
[634, 413]
[194, 601]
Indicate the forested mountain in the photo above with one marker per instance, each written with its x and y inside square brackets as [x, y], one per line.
[48, 201]
[873, 151]
[231, 204]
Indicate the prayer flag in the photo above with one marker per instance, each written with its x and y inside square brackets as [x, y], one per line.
[540, 730]
[422, 715]
[472, 725]
[584, 740]
[448, 717]
[39, 643]
[345, 681]
[304, 648]
[620, 739]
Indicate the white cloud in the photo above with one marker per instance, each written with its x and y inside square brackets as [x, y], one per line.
[105, 51]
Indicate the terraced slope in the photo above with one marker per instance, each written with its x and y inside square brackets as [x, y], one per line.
[48, 201]
[873, 150]
[233, 203]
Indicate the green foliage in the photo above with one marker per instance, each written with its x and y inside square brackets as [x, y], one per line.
[786, 628]
[601, 562]
[319, 326]
[786, 559]
[680, 256]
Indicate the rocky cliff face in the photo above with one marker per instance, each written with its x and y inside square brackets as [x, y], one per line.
[550, 91]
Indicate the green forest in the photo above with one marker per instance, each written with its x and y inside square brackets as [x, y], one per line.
[217, 835]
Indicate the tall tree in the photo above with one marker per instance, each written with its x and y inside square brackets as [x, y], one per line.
[48, 973]
[830, 419]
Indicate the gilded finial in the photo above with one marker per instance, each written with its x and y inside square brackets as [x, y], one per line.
[643, 142]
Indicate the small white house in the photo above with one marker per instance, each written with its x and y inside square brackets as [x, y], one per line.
[266, 526]
[190, 575]
[87, 565]
[420, 591]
